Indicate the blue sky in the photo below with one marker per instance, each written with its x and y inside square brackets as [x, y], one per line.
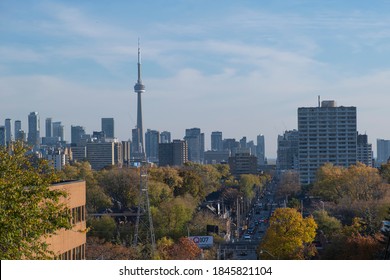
[240, 67]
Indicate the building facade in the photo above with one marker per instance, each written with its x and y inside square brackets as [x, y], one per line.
[70, 244]
[195, 142]
[108, 127]
[49, 127]
[382, 151]
[2, 135]
[8, 131]
[101, 155]
[243, 163]
[34, 135]
[173, 154]
[165, 137]
[287, 153]
[152, 139]
[326, 134]
[260, 149]
[216, 141]
[76, 134]
[364, 150]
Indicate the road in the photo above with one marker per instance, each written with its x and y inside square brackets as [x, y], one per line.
[245, 248]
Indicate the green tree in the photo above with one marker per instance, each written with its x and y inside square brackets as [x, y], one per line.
[103, 227]
[329, 225]
[289, 236]
[172, 216]
[29, 209]
[121, 184]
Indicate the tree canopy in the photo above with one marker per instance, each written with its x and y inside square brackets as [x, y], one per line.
[29, 209]
[289, 236]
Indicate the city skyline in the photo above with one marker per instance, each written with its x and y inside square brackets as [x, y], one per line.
[240, 68]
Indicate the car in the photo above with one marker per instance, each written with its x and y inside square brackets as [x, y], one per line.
[243, 253]
[247, 236]
[385, 229]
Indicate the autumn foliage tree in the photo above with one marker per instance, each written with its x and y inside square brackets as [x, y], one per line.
[288, 237]
[183, 249]
[355, 183]
[29, 209]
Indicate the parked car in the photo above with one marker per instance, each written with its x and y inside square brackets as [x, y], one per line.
[247, 236]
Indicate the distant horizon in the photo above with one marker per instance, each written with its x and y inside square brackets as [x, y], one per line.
[239, 67]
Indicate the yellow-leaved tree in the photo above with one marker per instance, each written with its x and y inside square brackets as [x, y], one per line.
[289, 236]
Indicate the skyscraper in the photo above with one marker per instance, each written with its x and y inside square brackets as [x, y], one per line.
[58, 131]
[382, 151]
[108, 127]
[173, 154]
[364, 150]
[260, 149]
[76, 133]
[326, 134]
[34, 136]
[152, 139]
[49, 127]
[165, 137]
[8, 131]
[195, 142]
[138, 144]
[287, 151]
[216, 141]
[2, 135]
[18, 130]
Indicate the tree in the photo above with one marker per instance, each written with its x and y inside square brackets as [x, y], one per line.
[289, 236]
[355, 183]
[172, 216]
[121, 184]
[103, 228]
[329, 225]
[183, 249]
[29, 209]
[98, 249]
[352, 244]
[288, 185]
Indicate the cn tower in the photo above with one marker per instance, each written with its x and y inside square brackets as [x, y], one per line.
[139, 88]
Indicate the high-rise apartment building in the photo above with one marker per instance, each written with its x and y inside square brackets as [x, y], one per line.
[18, 128]
[382, 151]
[326, 134]
[231, 145]
[108, 127]
[8, 131]
[364, 150]
[101, 154]
[152, 139]
[173, 154]
[49, 127]
[216, 141]
[195, 141]
[34, 136]
[165, 137]
[260, 149]
[76, 134]
[243, 163]
[287, 153]
[58, 131]
[2, 135]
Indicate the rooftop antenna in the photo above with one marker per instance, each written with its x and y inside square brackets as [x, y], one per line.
[319, 101]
